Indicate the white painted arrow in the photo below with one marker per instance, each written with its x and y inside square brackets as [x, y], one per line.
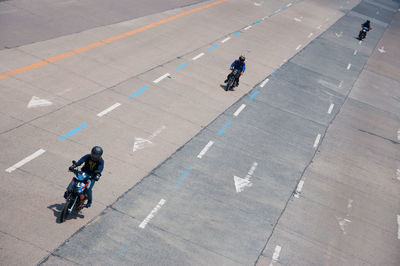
[339, 34]
[141, 143]
[382, 50]
[241, 183]
[36, 102]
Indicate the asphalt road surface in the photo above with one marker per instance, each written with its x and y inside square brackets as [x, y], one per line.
[298, 166]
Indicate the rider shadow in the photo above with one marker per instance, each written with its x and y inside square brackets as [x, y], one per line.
[58, 208]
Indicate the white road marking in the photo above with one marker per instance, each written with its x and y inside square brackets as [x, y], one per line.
[264, 82]
[348, 66]
[161, 78]
[289, 4]
[152, 213]
[382, 50]
[297, 19]
[398, 134]
[341, 84]
[277, 11]
[141, 143]
[338, 35]
[36, 102]
[275, 256]
[309, 35]
[398, 174]
[330, 108]
[223, 41]
[109, 109]
[26, 160]
[319, 27]
[248, 27]
[299, 188]
[241, 183]
[298, 47]
[316, 142]
[398, 226]
[360, 42]
[201, 54]
[240, 109]
[355, 52]
[205, 149]
[342, 224]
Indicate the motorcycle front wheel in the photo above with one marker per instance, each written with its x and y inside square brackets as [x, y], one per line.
[65, 212]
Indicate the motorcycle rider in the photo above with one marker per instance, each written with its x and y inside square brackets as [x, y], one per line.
[93, 166]
[367, 26]
[240, 65]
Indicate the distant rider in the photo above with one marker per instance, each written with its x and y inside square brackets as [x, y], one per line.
[93, 166]
[240, 65]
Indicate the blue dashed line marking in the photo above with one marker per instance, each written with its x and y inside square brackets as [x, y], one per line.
[72, 132]
[182, 66]
[139, 92]
[225, 127]
[237, 33]
[253, 95]
[258, 21]
[271, 14]
[183, 176]
[283, 8]
[213, 47]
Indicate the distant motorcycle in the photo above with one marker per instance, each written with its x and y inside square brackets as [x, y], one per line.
[76, 195]
[363, 33]
[232, 79]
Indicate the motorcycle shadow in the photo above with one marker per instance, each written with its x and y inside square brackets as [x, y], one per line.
[57, 209]
[223, 86]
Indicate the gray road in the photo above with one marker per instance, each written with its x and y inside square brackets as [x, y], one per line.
[23, 22]
[297, 166]
[240, 196]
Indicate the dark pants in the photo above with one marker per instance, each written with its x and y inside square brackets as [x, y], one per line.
[89, 192]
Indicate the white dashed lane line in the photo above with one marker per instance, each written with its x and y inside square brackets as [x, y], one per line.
[309, 35]
[299, 188]
[109, 109]
[26, 160]
[248, 27]
[152, 213]
[276, 254]
[264, 82]
[205, 149]
[316, 142]
[348, 66]
[161, 78]
[298, 47]
[198, 56]
[240, 109]
[330, 108]
[226, 39]
[355, 52]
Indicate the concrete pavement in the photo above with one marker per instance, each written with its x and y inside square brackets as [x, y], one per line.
[189, 207]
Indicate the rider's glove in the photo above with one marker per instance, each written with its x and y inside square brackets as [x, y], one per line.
[97, 176]
[71, 168]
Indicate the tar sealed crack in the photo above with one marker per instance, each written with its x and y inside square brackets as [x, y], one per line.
[373, 134]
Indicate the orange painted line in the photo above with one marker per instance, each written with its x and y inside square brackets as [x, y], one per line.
[111, 39]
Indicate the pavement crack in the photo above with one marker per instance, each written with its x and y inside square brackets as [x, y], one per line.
[381, 137]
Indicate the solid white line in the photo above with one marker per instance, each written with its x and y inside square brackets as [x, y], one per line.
[299, 188]
[355, 52]
[161, 78]
[298, 47]
[264, 82]
[275, 256]
[224, 40]
[248, 27]
[317, 140]
[239, 110]
[152, 213]
[330, 108]
[199, 55]
[24, 161]
[398, 226]
[348, 66]
[309, 35]
[205, 149]
[109, 109]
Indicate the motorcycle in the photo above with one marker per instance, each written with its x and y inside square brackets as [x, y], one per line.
[76, 195]
[363, 33]
[232, 79]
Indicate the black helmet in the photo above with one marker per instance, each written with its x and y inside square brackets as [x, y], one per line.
[96, 153]
[242, 58]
